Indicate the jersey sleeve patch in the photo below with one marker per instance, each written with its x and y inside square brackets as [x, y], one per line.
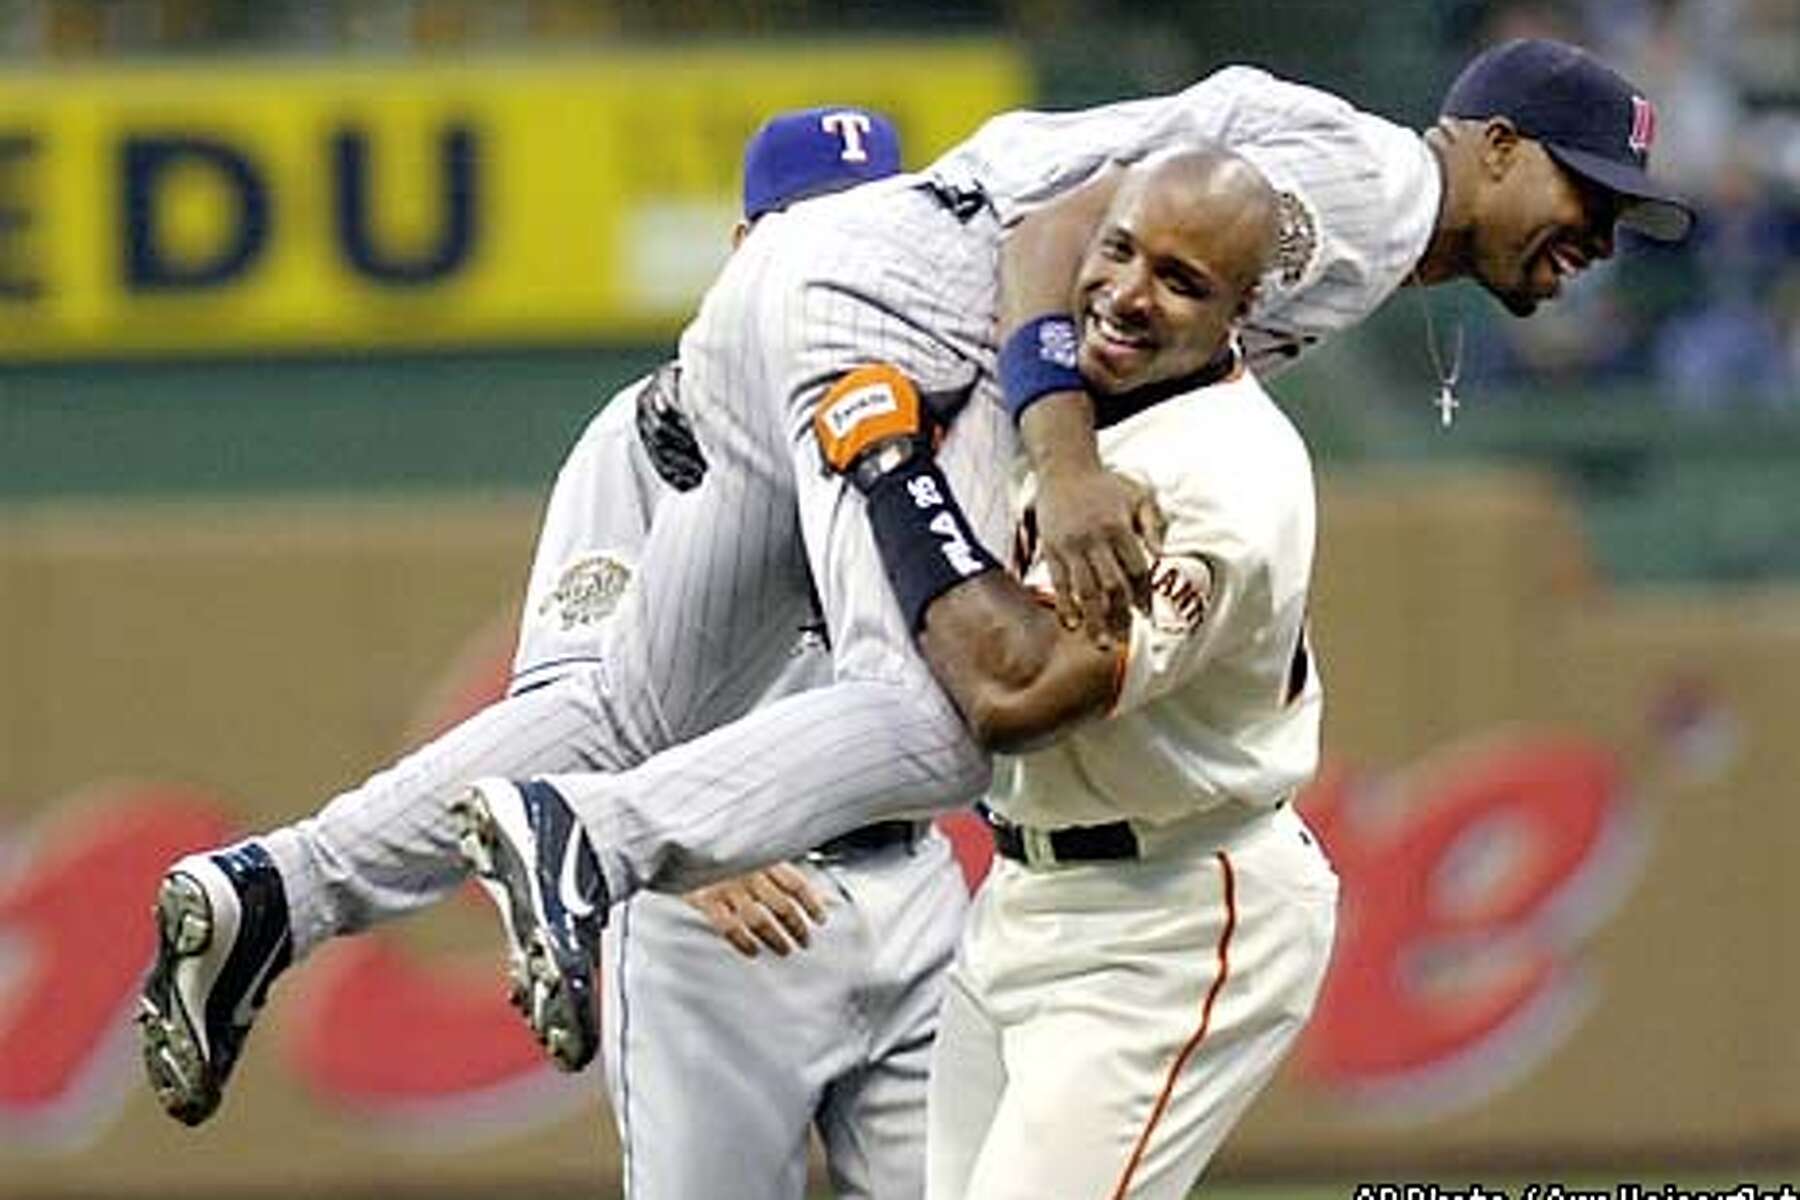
[1296, 239]
[587, 591]
[1175, 639]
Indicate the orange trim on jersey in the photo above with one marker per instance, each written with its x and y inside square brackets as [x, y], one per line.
[1193, 1043]
[1121, 665]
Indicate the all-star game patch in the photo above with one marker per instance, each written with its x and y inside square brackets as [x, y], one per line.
[1296, 239]
[587, 592]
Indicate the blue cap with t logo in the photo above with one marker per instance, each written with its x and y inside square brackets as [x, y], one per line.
[812, 151]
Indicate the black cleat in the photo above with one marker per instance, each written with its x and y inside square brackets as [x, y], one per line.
[221, 938]
[530, 853]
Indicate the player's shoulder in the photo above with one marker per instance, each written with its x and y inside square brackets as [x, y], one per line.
[1226, 440]
[1245, 482]
[1260, 86]
[1267, 103]
[1237, 403]
[1272, 112]
[1245, 418]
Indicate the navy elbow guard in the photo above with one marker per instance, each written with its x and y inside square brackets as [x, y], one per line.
[1038, 359]
[925, 541]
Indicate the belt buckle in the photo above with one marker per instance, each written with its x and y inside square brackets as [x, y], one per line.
[1040, 850]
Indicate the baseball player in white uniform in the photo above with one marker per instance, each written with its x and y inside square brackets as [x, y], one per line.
[702, 1109]
[890, 289]
[1155, 932]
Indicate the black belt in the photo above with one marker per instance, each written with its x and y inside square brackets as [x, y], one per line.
[1114, 841]
[1111, 842]
[869, 838]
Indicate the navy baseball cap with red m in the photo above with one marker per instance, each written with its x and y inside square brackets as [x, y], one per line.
[1587, 117]
[812, 151]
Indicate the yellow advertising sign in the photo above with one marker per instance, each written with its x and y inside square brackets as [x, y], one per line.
[293, 206]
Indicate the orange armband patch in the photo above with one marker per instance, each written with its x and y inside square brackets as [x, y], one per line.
[865, 409]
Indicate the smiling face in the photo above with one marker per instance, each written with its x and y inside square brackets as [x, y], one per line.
[1171, 269]
[1536, 223]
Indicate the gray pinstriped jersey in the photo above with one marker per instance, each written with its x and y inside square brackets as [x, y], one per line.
[1359, 194]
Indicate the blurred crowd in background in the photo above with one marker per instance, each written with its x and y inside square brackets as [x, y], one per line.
[1713, 325]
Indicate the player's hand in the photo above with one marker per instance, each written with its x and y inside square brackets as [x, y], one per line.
[1099, 533]
[770, 907]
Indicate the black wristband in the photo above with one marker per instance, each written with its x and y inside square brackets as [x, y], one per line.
[925, 541]
[1039, 358]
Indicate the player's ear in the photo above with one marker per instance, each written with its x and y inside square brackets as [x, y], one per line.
[739, 232]
[1499, 145]
[1246, 301]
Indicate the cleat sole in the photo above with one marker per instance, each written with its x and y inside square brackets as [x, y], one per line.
[536, 988]
[173, 1058]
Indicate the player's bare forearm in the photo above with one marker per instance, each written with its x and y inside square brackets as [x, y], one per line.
[1093, 544]
[1058, 435]
[1016, 673]
[1038, 263]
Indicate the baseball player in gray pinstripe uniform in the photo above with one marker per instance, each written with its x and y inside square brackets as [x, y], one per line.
[856, 301]
[843, 1029]
[849, 1023]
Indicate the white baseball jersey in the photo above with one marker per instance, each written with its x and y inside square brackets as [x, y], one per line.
[605, 495]
[1107, 1022]
[1229, 607]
